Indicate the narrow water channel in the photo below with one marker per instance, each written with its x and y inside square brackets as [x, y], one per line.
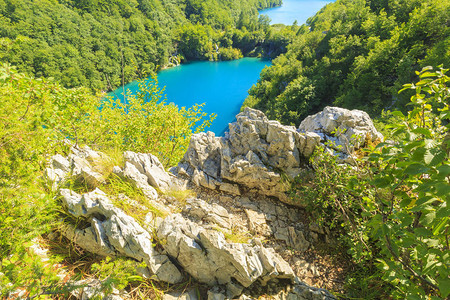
[294, 10]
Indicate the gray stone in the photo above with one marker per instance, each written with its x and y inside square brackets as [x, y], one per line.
[255, 151]
[214, 294]
[346, 129]
[112, 232]
[204, 153]
[230, 188]
[92, 289]
[301, 291]
[212, 213]
[297, 240]
[82, 170]
[189, 295]
[60, 162]
[131, 173]
[150, 166]
[207, 257]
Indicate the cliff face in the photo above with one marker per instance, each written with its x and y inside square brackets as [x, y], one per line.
[256, 152]
[237, 179]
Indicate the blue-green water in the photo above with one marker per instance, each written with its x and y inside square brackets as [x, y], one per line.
[294, 10]
[222, 86]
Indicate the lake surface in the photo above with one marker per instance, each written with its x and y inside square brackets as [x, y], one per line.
[294, 10]
[222, 86]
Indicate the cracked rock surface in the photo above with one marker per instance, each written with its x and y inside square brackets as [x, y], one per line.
[256, 151]
[238, 182]
[112, 232]
[209, 258]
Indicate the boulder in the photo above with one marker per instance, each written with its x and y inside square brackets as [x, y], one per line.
[149, 165]
[256, 151]
[131, 173]
[210, 259]
[204, 153]
[78, 164]
[347, 130]
[213, 213]
[111, 232]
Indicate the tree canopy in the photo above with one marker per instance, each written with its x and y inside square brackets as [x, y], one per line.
[354, 54]
[103, 44]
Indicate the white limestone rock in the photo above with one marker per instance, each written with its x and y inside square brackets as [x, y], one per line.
[213, 213]
[355, 126]
[209, 258]
[150, 166]
[112, 232]
[131, 173]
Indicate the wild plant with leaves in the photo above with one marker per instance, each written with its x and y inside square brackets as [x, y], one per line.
[411, 193]
[393, 205]
[36, 116]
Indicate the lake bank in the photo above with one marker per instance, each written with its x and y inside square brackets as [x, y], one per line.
[222, 86]
[294, 10]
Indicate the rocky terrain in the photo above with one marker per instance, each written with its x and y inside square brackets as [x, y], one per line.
[237, 233]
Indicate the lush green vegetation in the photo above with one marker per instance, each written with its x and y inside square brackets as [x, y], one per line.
[104, 44]
[391, 211]
[36, 116]
[354, 54]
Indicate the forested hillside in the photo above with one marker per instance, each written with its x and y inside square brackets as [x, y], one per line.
[354, 54]
[103, 44]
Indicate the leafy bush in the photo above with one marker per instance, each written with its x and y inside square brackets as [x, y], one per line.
[230, 53]
[393, 206]
[36, 116]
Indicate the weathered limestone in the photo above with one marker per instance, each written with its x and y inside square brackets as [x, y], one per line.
[201, 210]
[346, 129]
[256, 151]
[131, 173]
[92, 289]
[112, 232]
[206, 256]
[149, 165]
[78, 165]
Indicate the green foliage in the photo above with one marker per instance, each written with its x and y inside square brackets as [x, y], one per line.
[354, 54]
[230, 53]
[412, 219]
[117, 273]
[104, 44]
[393, 205]
[144, 122]
[36, 116]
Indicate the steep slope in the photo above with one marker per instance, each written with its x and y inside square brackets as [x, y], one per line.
[354, 54]
[103, 44]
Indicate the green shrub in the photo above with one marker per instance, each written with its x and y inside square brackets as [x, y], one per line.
[36, 116]
[393, 206]
[230, 53]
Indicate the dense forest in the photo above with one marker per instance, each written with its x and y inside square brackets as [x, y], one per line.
[354, 54]
[387, 214]
[103, 44]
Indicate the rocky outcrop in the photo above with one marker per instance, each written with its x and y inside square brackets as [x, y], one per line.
[78, 165]
[193, 242]
[110, 232]
[344, 130]
[209, 258]
[259, 155]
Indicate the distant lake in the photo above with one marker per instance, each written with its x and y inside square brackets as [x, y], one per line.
[222, 86]
[292, 10]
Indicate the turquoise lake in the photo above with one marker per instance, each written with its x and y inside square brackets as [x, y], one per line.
[294, 10]
[222, 86]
